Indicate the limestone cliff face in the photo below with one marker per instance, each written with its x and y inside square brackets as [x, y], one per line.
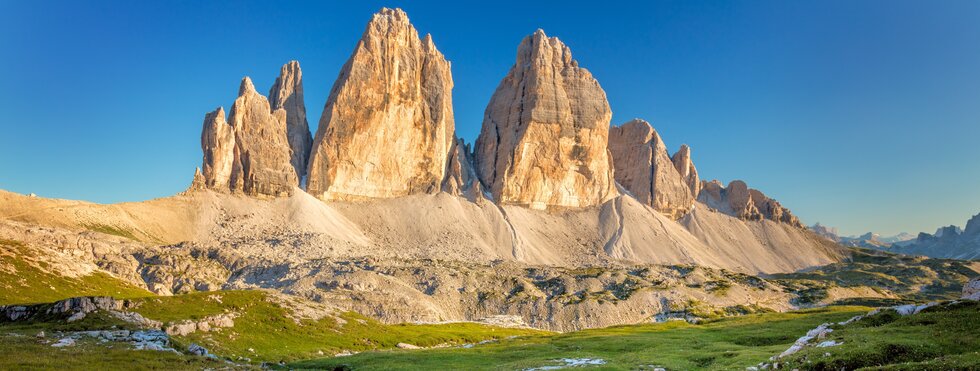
[545, 131]
[745, 203]
[685, 167]
[645, 169]
[218, 145]
[387, 128]
[287, 94]
[262, 156]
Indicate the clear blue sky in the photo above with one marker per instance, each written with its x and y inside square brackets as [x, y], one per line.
[859, 114]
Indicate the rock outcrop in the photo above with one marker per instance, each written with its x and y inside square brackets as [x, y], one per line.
[745, 203]
[262, 156]
[685, 166]
[971, 290]
[461, 177]
[287, 94]
[218, 145]
[829, 233]
[387, 128]
[646, 170]
[545, 131]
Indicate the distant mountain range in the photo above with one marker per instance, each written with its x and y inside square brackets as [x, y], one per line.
[947, 242]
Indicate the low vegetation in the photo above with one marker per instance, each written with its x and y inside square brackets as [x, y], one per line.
[730, 343]
[897, 279]
[25, 281]
[21, 350]
[273, 329]
[938, 338]
[111, 230]
[268, 329]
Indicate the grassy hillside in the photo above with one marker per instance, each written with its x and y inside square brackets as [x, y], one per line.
[938, 338]
[23, 351]
[909, 278]
[25, 280]
[731, 343]
[269, 328]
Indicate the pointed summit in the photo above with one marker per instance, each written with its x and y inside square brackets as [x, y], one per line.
[387, 128]
[685, 166]
[287, 94]
[262, 153]
[246, 87]
[544, 135]
[218, 145]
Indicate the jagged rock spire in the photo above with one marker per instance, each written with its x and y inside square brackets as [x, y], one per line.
[287, 94]
[262, 156]
[387, 128]
[645, 169]
[685, 167]
[218, 145]
[543, 141]
[740, 201]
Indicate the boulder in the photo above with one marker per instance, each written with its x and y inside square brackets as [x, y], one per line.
[545, 132]
[971, 290]
[387, 129]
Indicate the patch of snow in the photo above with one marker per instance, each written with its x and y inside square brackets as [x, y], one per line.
[64, 342]
[571, 362]
[909, 309]
[817, 333]
[828, 343]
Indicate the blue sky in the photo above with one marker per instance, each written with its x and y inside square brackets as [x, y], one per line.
[859, 114]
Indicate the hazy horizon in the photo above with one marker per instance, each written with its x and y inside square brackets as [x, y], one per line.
[858, 115]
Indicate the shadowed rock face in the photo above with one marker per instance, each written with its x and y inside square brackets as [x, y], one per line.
[218, 145]
[646, 170]
[287, 94]
[685, 167]
[544, 135]
[387, 128]
[461, 177]
[262, 156]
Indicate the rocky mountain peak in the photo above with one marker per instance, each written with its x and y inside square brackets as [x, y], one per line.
[387, 128]
[246, 87]
[645, 169]
[972, 226]
[262, 153]
[545, 131]
[287, 94]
